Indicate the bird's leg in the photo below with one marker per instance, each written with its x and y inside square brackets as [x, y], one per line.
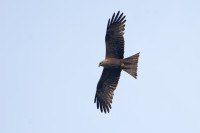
[122, 65]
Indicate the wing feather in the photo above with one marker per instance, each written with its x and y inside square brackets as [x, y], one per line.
[113, 18]
[108, 23]
[120, 17]
[116, 16]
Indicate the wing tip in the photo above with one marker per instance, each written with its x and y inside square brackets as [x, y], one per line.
[118, 18]
[104, 108]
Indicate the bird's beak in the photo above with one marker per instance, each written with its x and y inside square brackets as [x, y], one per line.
[99, 65]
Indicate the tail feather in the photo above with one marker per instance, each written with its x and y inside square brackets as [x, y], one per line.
[130, 65]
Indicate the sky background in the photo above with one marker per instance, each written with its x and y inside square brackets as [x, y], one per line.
[49, 56]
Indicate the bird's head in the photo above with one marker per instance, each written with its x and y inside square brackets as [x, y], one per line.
[102, 63]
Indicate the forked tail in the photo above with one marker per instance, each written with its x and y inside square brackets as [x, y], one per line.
[130, 65]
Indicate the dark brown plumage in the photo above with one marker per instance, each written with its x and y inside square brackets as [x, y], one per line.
[114, 37]
[105, 88]
[114, 62]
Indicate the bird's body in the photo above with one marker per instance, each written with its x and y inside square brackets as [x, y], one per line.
[114, 62]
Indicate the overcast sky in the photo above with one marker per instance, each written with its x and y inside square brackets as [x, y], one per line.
[49, 56]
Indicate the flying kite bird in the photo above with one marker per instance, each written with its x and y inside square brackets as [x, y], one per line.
[114, 62]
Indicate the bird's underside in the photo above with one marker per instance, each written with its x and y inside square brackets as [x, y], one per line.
[114, 62]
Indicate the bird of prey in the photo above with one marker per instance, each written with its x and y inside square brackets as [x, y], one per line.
[114, 62]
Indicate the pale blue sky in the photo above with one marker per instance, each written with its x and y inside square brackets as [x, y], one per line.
[49, 55]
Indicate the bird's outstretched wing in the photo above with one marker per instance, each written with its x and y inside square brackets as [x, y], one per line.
[114, 36]
[105, 88]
